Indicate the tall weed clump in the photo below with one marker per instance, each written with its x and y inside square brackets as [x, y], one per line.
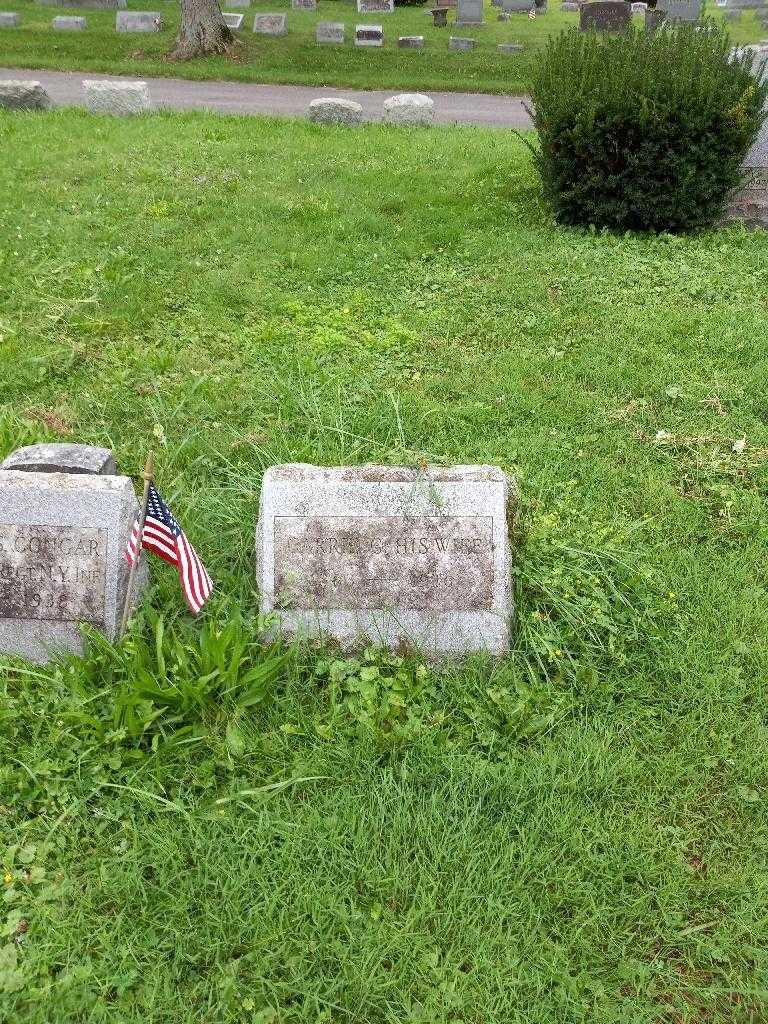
[644, 131]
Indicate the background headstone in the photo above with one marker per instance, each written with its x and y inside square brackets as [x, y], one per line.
[138, 21]
[23, 95]
[469, 12]
[99, 5]
[680, 10]
[9, 19]
[62, 544]
[749, 203]
[304, 5]
[375, 6]
[69, 23]
[270, 24]
[59, 457]
[233, 21]
[329, 32]
[390, 555]
[517, 6]
[369, 35]
[605, 16]
[460, 43]
[238, 3]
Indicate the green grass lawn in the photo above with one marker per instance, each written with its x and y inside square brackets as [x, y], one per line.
[296, 58]
[574, 834]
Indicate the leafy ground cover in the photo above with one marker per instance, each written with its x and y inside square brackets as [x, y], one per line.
[296, 58]
[194, 828]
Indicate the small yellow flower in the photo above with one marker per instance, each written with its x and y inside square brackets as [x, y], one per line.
[671, 594]
[8, 877]
[558, 653]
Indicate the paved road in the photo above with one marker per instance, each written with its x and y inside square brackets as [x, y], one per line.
[65, 87]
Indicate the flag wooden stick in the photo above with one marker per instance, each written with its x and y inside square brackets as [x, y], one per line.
[149, 473]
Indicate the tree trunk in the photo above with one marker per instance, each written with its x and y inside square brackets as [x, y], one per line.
[202, 30]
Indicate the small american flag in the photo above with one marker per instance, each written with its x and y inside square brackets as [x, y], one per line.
[164, 536]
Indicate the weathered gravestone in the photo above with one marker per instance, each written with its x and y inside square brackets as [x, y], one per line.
[469, 12]
[118, 98]
[62, 544]
[233, 21]
[680, 11]
[18, 94]
[517, 6]
[335, 110]
[749, 203]
[270, 24]
[238, 3]
[304, 5]
[329, 32]
[509, 49]
[605, 16]
[369, 35]
[69, 23]
[138, 21]
[410, 42]
[461, 43]
[375, 6]
[391, 555]
[61, 457]
[99, 5]
[9, 19]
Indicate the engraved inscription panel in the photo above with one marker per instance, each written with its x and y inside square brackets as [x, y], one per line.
[425, 563]
[55, 573]
[756, 178]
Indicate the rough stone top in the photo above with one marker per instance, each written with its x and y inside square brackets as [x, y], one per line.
[61, 458]
[13, 83]
[24, 480]
[409, 99]
[370, 473]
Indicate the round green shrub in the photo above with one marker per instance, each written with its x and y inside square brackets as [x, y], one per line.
[644, 131]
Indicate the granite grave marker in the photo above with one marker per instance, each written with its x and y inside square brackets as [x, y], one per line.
[389, 555]
[270, 24]
[605, 16]
[62, 541]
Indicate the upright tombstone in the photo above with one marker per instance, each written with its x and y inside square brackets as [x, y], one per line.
[138, 21]
[62, 542]
[270, 24]
[388, 555]
[304, 5]
[369, 35]
[238, 3]
[469, 12]
[605, 16]
[99, 5]
[329, 32]
[680, 11]
[749, 203]
[517, 6]
[9, 19]
[375, 6]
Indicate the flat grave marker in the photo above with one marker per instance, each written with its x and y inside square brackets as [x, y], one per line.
[369, 35]
[329, 32]
[270, 24]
